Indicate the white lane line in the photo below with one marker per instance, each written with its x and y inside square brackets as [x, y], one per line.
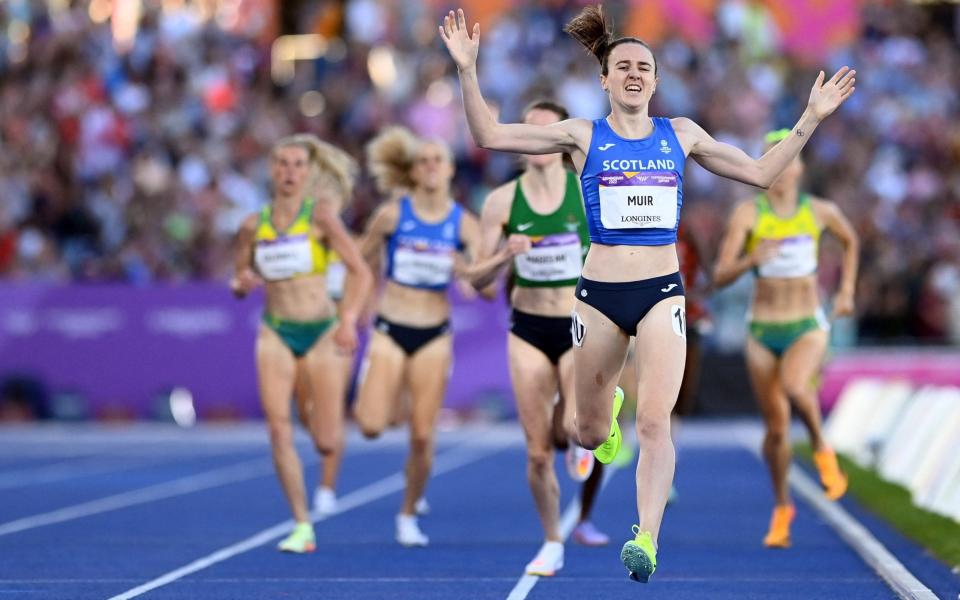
[96, 465]
[449, 461]
[858, 537]
[875, 554]
[250, 469]
[567, 522]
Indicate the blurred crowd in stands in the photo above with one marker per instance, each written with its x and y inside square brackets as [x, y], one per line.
[136, 165]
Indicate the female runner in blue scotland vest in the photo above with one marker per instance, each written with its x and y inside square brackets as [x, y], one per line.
[631, 173]
[423, 235]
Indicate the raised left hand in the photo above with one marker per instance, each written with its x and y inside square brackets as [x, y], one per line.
[827, 97]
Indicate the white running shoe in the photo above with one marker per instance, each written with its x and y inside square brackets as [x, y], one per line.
[325, 501]
[579, 462]
[408, 532]
[548, 561]
[422, 507]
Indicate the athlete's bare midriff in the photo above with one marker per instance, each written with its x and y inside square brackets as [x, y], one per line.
[781, 299]
[630, 263]
[544, 301]
[300, 299]
[414, 307]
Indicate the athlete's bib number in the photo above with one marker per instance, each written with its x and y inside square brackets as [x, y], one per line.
[552, 258]
[638, 200]
[283, 258]
[796, 257]
[422, 268]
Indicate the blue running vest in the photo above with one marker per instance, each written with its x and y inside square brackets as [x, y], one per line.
[633, 189]
[419, 254]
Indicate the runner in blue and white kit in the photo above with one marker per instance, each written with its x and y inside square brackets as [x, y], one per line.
[631, 173]
[424, 237]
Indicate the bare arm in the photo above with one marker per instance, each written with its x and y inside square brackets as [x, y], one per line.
[359, 279]
[490, 258]
[836, 223]
[245, 280]
[565, 136]
[379, 227]
[731, 263]
[731, 162]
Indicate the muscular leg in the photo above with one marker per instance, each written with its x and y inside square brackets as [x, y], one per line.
[597, 364]
[427, 374]
[775, 408]
[276, 370]
[798, 367]
[327, 384]
[660, 357]
[535, 385]
[380, 381]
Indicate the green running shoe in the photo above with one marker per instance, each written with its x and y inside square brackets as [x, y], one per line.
[302, 540]
[609, 449]
[639, 556]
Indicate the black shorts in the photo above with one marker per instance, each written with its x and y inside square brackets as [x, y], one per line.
[550, 335]
[627, 303]
[411, 339]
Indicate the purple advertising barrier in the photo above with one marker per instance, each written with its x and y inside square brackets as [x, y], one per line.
[919, 366]
[122, 348]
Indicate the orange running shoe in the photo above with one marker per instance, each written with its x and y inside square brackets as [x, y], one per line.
[779, 534]
[833, 480]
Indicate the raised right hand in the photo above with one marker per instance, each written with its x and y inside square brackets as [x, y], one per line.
[462, 47]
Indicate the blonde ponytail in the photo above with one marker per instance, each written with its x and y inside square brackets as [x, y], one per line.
[390, 157]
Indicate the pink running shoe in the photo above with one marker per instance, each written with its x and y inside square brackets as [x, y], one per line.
[587, 535]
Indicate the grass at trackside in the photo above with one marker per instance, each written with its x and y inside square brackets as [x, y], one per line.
[938, 534]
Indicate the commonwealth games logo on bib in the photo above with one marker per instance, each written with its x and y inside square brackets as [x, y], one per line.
[638, 200]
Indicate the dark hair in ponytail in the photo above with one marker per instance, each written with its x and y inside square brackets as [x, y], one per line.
[595, 33]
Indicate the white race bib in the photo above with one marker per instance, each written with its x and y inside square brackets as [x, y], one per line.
[422, 267]
[796, 257]
[638, 200]
[555, 257]
[283, 258]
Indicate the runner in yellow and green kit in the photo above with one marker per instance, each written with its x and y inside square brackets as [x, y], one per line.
[777, 235]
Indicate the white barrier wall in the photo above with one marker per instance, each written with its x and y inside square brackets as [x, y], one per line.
[865, 414]
[911, 437]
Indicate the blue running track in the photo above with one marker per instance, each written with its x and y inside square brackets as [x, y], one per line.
[89, 512]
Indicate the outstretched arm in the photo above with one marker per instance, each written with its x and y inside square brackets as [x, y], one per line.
[731, 162]
[565, 136]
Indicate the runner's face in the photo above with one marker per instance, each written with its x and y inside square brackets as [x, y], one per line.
[432, 169]
[630, 80]
[539, 116]
[289, 170]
